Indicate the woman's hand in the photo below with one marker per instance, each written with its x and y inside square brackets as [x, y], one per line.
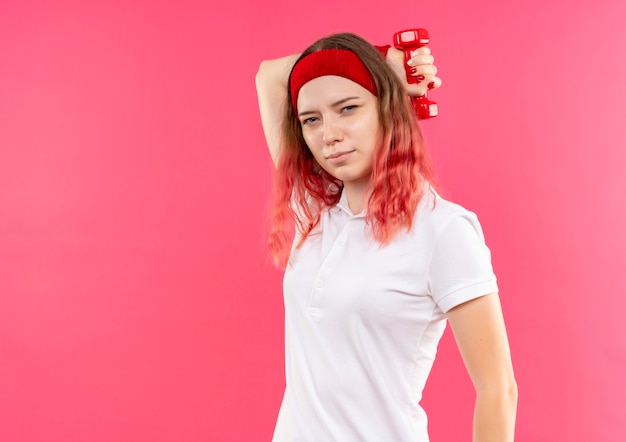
[423, 68]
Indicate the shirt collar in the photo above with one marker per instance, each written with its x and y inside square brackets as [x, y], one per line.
[343, 205]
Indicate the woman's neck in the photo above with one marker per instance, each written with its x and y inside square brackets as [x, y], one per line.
[355, 194]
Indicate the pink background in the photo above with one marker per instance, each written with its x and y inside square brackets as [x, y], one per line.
[137, 302]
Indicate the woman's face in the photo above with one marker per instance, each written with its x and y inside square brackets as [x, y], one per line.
[340, 125]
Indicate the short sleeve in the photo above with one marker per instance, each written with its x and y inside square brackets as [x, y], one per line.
[460, 268]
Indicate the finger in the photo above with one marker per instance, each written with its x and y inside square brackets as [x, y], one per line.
[417, 60]
[425, 69]
[428, 83]
[424, 50]
[433, 83]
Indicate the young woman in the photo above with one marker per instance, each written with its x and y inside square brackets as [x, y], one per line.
[380, 262]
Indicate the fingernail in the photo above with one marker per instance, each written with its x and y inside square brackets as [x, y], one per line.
[420, 77]
[413, 70]
[410, 62]
[431, 85]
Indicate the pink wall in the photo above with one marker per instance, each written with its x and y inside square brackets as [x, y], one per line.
[136, 299]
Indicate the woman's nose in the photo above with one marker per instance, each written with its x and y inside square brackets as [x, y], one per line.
[332, 131]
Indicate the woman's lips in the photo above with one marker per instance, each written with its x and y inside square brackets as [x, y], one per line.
[339, 157]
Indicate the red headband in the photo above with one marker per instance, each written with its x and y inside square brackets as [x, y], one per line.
[340, 62]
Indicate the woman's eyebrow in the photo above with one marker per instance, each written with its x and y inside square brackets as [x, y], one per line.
[335, 104]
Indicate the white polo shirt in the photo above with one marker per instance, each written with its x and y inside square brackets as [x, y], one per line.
[362, 321]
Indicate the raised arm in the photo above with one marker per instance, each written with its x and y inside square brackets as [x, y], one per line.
[271, 86]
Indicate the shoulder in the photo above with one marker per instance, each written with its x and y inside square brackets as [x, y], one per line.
[436, 214]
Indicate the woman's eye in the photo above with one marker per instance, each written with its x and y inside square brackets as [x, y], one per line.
[309, 120]
[349, 108]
